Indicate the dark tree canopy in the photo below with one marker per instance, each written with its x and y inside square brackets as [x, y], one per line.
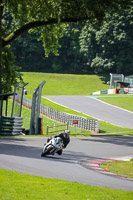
[109, 48]
[49, 18]
[29, 14]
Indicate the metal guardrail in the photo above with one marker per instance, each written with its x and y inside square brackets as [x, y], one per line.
[83, 123]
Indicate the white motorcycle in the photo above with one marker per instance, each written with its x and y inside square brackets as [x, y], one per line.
[54, 145]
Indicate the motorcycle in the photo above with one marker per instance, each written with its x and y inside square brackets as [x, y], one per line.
[54, 145]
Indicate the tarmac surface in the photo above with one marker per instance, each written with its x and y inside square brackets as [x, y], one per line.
[23, 154]
[80, 160]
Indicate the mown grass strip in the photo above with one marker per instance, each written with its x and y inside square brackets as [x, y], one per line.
[124, 168]
[125, 102]
[17, 186]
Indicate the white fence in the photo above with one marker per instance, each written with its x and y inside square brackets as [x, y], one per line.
[81, 122]
[56, 128]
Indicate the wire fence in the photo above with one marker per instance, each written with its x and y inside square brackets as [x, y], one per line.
[65, 118]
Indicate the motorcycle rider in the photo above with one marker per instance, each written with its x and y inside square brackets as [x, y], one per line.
[65, 137]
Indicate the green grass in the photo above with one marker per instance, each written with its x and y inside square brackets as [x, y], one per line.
[72, 85]
[125, 102]
[16, 186]
[64, 84]
[120, 167]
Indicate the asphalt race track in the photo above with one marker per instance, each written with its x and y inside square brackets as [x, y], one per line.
[22, 154]
[80, 160]
[97, 109]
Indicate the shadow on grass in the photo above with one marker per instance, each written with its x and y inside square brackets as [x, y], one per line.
[104, 78]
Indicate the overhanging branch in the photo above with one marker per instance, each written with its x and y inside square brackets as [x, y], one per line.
[35, 24]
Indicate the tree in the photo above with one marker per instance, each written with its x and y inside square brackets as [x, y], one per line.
[109, 48]
[70, 59]
[49, 18]
[9, 70]
[29, 54]
[88, 44]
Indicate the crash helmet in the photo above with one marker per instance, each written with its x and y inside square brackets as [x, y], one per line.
[66, 133]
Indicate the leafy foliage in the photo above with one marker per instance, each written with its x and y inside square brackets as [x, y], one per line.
[30, 14]
[49, 18]
[30, 54]
[110, 46]
[9, 70]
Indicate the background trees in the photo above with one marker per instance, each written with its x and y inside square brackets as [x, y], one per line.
[10, 72]
[92, 48]
[49, 19]
[109, 48]
[30, 54]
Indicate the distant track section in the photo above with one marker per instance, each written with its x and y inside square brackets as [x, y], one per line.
[95, 108]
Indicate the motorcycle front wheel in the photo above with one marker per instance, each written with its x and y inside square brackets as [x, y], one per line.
[48, 151]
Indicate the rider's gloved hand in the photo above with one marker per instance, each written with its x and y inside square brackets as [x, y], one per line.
[48, 139]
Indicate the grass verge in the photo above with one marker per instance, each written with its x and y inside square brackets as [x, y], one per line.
[125, 102]
[17, 186]
[124, 168]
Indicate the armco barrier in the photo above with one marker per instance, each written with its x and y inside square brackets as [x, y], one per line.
[83, 123]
